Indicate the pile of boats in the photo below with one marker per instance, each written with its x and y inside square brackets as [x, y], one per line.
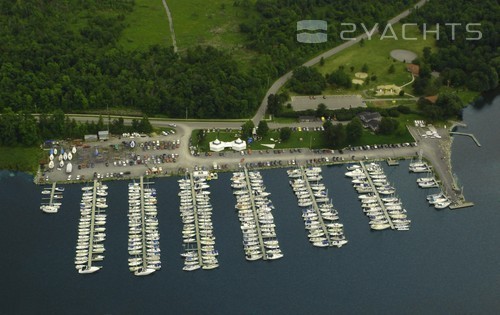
[52, 199]
[255, 214]
[62, 157]
[377, 197]
[197, 233]
[419, 167]
[320, 217]
[91, 228]
[143, 235]
[427, 182]
[439, 200]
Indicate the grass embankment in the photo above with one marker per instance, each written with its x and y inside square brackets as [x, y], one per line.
[20, 159]
[375, 53]
[147, 25]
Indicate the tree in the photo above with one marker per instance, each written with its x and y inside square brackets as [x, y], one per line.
[262, 129]
[307, 80]
[145, 125]
[354, 130]
[321, 111]
[247, 129]
[285, 133]
[335, 134]
[364, 68]
[340, 78]
[388, 126]
[450, 105]
[392, 69]
[274, 104]
[322, 61]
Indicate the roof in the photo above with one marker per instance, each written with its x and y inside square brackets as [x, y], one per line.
[368, 116]
[432, 98]
[413, 68]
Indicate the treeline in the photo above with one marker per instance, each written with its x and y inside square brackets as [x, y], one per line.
[65, 55]
[474, 64]
[23, 129]
[273, 30]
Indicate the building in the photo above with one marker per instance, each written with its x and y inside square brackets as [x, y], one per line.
[103, 135]
[237, 145]
[413, 69]
[89, 138]
[370, 120]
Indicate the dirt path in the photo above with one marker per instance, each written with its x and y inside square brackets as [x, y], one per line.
[171, 25]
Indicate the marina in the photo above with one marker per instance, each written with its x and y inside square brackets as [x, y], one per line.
[196, 214]
[144, 237]
[91, 230]
[255, 215]
[384, 212]
[54, 200]
[320, 216]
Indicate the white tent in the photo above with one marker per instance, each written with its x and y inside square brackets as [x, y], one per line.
[239, 145]
[217, 145]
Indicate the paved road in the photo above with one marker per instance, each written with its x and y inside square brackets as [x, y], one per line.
[278, 84]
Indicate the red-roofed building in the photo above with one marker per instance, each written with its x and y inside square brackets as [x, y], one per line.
[413, 69]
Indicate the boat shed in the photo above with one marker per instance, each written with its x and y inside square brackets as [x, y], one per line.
[103, 135]
[89, 138]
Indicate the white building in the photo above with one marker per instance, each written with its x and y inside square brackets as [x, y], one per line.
[237, 145]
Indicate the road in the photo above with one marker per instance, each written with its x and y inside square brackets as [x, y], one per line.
[278, 84]
[171, 25]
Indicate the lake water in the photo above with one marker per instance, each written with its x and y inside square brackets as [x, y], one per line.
[448, 263]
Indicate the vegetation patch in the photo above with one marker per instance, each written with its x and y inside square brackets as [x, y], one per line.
[20, 159]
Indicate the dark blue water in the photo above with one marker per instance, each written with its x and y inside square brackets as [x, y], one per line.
[449, 262]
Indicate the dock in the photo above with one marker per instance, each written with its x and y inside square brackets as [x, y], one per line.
[92, 220]
[143, 219]
[52, 193]
[255, 216]
[392, 162]
[375, 192]
[466, 134]
[196, 226]
[315, 206]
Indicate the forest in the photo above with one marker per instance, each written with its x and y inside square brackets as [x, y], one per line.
[474, 64]
[64, 55]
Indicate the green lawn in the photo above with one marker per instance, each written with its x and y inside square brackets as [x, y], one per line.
[298, 139]
[147, 25]
[20, 159]
[376, 54]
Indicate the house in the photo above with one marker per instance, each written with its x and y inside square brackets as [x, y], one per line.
[370, 119]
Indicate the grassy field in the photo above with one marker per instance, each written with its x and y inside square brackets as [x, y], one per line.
[20, 159]
[376, 54]
[148, 25]
[302, 139]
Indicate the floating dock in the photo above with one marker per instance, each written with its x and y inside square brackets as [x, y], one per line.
[196, 223]
[375, 192]
[255, 216]
[315, 206]
[92, 224]
[392, 162]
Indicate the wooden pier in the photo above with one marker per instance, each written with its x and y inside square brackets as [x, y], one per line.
[382, 205]
[255, 216]
[197, 228]
[315, 206]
